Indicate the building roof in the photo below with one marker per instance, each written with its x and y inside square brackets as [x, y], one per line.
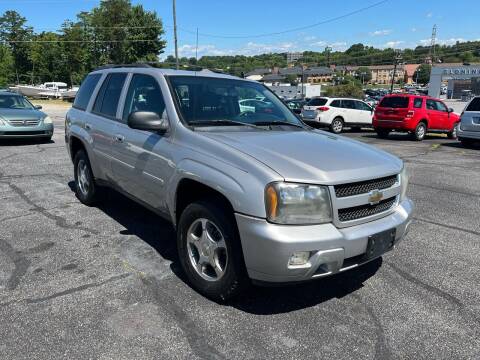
[273, 77]
[321, 70]
[411, 68]
[296, 70]
[259, 71]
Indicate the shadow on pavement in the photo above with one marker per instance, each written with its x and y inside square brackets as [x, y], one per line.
[26, 141]
[259, 300]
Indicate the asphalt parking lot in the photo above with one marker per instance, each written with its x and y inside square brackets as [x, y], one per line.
[103, 282]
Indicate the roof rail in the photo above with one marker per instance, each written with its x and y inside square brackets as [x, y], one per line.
[115, 66]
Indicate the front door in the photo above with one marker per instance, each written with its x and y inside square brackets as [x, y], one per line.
[364, 113]
[435, 116]
[143, 158]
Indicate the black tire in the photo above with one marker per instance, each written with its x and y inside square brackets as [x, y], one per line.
[87, 195]
[234, 277]
[453, 133]
[382, 133]
[337, 125]
[420, 131]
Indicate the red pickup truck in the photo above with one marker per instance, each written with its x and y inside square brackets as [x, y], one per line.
[415, 114]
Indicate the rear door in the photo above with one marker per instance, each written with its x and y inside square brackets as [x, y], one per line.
[144, 161]
[471, 116]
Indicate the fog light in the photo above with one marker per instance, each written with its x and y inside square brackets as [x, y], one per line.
[299, 258]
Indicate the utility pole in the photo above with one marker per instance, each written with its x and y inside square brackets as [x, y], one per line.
[397, 58]
[328, 50]
[431, 54]
[175, 33]
[196, 49]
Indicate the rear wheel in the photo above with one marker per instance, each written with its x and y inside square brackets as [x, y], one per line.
[453, 133]
[209, 250]
[383, 133]
[337, 125]
[420, 131]
[85, 186]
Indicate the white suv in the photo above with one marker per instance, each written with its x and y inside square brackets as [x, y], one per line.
[469, 130]
[337, 113]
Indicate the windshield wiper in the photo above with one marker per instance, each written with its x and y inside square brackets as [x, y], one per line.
[266, 123]
[223, 122]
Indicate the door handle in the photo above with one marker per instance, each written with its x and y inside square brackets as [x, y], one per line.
[88, 126]
[119, 138]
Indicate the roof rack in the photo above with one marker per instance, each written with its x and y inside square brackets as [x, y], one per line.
[115, 66]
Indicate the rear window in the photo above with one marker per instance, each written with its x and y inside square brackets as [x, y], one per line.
[394, 102]
[317, 102]
[85, 91]
[474, 105]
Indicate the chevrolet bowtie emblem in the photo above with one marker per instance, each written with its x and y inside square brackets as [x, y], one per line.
[374, 197]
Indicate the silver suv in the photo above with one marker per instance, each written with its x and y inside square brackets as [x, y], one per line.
[253, 192]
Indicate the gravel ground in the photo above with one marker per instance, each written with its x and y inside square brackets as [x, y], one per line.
[81, 282]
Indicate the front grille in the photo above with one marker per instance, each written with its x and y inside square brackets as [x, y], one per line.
[362, 211]
[364, 187]
[25, 133]
[18, 123]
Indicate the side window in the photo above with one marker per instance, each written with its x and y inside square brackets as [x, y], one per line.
[336, 104]
[441, 106]
[143, 94]
[431, 105]
[348, 104]
[362, 106]
[417, 103]
[85, 91]
[107, 99]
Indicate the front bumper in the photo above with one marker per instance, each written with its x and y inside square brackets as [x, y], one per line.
[267, 247]
[21, 132]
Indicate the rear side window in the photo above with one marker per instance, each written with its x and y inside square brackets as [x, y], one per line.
[317, 102]
[85, 91]
[417, 103]
[107, 99]
[394, 102]
[348, 104]
[336, 103]
[474, 105]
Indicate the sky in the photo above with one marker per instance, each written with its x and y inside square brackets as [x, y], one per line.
[251, 27]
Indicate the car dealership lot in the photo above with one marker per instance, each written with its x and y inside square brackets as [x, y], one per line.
[103, 282]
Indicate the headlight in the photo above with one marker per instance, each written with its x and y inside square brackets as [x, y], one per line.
[403, 183]
[297, 204]
[47, 120]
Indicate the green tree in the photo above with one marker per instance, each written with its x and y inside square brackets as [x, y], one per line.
[353, 90]
[422, 74]
[291, 79]
[364, 74]
[16, 36]
[6, 65]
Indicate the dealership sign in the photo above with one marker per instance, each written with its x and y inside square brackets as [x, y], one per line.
[462, 71]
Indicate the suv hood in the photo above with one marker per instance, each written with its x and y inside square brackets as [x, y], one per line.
[313, 156]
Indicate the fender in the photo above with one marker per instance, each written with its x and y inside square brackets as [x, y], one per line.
[85, 138]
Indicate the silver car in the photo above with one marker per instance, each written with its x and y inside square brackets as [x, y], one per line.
[469, 129]
[20, 119]
[254, 195]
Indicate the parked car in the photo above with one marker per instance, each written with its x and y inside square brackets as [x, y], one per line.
[469, 129]
[296, 105]
[20, 119]
[336, 113]
[415, 114]
[252, 195]
[254, 105]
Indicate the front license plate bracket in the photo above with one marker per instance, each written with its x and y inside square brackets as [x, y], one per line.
[379, 244]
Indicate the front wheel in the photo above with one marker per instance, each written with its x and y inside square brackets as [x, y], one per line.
[453, 133]
[210, 252]
[337, 125]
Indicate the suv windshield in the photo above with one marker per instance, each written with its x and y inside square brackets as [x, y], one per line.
[394, 102]
[223, 102]
[14, 102]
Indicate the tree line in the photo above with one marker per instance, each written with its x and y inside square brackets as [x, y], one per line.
[114, 32]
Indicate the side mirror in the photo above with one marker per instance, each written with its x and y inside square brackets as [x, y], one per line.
[38, 107]
[146, 120]
[450, 110]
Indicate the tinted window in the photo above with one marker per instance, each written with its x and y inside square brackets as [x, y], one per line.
[474, 105]
[109, 94]
[317, 102]
[144, 94]
[417, 103]
[348, 104]
[85, 91]
[394, 102]
[336, 103]
[431, 105]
